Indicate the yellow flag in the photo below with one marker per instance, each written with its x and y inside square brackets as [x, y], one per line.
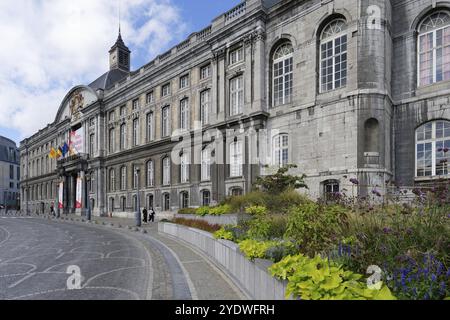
[53, 153]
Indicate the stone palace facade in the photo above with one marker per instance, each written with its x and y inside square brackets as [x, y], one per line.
[341, 88]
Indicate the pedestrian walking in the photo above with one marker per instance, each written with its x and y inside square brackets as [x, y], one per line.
[145, 214]
[152, 215]
[52, 209]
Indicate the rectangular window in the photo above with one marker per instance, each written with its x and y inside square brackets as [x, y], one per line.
[165, 90]
[184, 81]
[204, 107]
[434, 56]
[150, 127]
[236, 55]
[166, 171]
[150, 97]
[91, 144]
[111, 140]
[333, 64]
[205, 72]
[135, 132]
[184, 114]
[112, 116]
[11, 172]
[136, 104]
[184, 168]
[236, 95]
[206, 165]
[283, 81]
[236, 159]
[165, 122]
[123, 111]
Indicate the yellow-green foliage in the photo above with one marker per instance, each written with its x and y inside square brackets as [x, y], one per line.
[256, 210]
[224, 234]
[254, 249]
[320, 279]
[220, 210]
[202, 211]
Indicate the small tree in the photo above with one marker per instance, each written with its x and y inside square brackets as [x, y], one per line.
[280, 181]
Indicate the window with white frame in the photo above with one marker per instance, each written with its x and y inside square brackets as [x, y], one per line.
[333, 56]
[165, 90]
[112, 115]
[283, 74]
[91, 145]
[236, 95]
[236, 159]
[184, 81]
[165, 121]
[150, 174]
[433, 149]
[166, 171]
[135, 177]
[184, 200]
[204, 106]
[206, 165]
[123, 111]
[123, 136]
[184, 114]
[236, 55]
[184, 167]
[135, 132]
[434, 49]
[136, 104]
[111, 139]
[281, 150]
[150, 98]
[149, 126]
[123, 178]
[205, 72]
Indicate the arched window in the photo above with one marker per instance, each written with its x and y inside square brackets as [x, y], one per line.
[281, 150]
[166, 171]
[123, 204]
[434, 48]
[433, 149]
[205, 100]
[184, 200]
[184, 168]
[166, 202]
[206, 198]
[236, 192]
[371, 135]
[112, 180]
[150, 201]
[283, 74]
[333, 56]
[331, 189]
[149, 126]
[111, 205]
[165, 128]
[150, 174]
[184, 114]
[123, 178]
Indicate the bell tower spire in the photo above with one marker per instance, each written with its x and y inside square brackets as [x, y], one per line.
[119, 55]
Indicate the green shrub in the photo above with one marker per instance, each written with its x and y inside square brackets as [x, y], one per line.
[319, 279]
[256, 210]
[280, 181]
[255, 249]
[224, 234]
[220, 210]
[202, 211]
[314, 227]
[187, 211]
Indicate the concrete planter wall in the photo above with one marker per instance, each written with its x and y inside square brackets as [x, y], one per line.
[221, 220]
[253, 277]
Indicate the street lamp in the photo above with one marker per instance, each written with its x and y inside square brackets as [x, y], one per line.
[138, 202]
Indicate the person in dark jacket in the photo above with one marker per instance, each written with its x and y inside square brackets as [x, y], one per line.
[145, 213]
[152, 215]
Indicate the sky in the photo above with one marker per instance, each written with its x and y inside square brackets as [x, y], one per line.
[49, 46]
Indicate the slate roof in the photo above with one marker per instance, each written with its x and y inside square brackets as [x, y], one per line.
[108, 79]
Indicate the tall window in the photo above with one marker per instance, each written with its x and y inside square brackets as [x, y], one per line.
[333, 56]
[150, 174]
[135, 132]
[165, 121]
[205, 72]
[165, 90]
[434, 49]
[123, 111]
[184, 81]
[166, 171]
[112, 116]
[283, 74]
[281, 150]
[112, 180]
[205, 100]
[184, 200]
[136, 104]
[149, 126]
[150, 98]
[236, 159]
[123, 178]
[184, 114]
[91, 144]
[236, 55]
[166, 202]
[111, 140]
[433, 149]
[206, 198]
[236, 95]
[135, 177]
[123, 136]
[184, 168]
[206, 165]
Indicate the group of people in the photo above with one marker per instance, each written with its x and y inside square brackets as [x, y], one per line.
[148, 215]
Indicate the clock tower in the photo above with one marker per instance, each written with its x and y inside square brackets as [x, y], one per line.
[119, 55]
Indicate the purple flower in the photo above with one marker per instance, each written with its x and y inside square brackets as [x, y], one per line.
[387, 230]
[354, 181]
[433, 277]
[448, 216]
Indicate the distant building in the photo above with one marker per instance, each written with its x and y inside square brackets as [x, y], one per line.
[9, 173]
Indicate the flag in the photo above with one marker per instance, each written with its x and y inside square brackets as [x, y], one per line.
[53, 153]
[59, 153]
[65, 149]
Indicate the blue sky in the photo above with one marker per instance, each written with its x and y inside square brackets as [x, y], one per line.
[49, 46]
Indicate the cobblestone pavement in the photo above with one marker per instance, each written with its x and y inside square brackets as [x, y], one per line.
[116, 261]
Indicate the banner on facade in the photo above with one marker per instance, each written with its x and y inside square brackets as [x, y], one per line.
[76, 142]
[60, 197]
[79, 194]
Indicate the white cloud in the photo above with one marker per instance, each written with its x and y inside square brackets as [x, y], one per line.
[49, 46]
